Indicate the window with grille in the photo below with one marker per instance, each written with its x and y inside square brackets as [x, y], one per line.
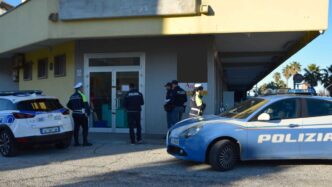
[43, 68]
[60, 66]
[27, 71]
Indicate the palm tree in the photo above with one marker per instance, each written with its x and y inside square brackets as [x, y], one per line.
[287, 74]
[277, 80]
[295, 68]
[276, 77]
[327, 79]
[312, 74]
[281, 84]
[267, 86]
[262, 89]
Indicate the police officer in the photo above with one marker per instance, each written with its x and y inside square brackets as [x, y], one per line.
[133, 102]
[168, 106]
[178, 99]
[78, 103]
[196, 102]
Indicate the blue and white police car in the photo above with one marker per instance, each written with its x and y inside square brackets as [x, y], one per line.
[28, 117]
[261, 128]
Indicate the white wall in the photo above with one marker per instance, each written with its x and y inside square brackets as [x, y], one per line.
[160, 68]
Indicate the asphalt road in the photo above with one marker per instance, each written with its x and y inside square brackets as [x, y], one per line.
[113, 162]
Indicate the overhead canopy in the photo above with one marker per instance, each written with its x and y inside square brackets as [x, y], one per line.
[39, 20]
[245, 58]
[248, 57]
[5, 6]
[252, 37]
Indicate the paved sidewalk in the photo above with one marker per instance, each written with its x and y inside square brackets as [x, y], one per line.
[111, 161]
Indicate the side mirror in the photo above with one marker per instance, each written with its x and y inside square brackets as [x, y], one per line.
[264, 117]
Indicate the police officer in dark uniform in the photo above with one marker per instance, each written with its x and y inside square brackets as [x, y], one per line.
[78, 103]
[133, 102]
[178, 99]
[168, 106]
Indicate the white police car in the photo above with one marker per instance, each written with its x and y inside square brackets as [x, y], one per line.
[262, 128]
[28, 117]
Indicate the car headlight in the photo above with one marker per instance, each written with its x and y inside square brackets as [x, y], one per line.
[191, 131]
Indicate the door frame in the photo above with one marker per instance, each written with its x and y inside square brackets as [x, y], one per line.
[114, 69]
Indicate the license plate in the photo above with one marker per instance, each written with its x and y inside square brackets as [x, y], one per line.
[57, 118]
[175, 141]
[40, 119]
[50, 130]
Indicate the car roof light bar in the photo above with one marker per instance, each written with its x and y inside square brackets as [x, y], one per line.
[286, 91]
[22, 92]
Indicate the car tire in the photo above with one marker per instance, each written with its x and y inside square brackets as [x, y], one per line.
[8, 147]
[223, 155]
[64, 144]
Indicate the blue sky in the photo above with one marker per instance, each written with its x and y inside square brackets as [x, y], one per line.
[13, 2]
[318, 51]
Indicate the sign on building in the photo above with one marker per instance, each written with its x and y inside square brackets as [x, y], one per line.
[98, 9]
[190, 86]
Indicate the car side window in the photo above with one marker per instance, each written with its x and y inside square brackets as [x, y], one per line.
[6, 105]
[2, 104]
[316, 107]
[285, 109]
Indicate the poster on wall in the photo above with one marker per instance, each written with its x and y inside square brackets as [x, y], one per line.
[125, 88]
[190, 86]
[79, 73]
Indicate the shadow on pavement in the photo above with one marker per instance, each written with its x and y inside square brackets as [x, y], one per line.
[104, 144]
[152, 168]
[175, 172]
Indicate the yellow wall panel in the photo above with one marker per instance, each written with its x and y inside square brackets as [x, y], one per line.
[60, 87]
[29, 24]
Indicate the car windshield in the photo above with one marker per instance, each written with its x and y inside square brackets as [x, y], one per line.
[244, 109]
[40, 105]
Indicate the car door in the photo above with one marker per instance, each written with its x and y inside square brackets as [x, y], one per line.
[277, 137]
[317, 128]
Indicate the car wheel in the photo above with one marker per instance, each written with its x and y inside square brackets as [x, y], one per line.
[7, 144]
[64, 144]
[223, 155]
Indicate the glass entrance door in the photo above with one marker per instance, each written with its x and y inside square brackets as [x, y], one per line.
[107, 78]
[107, 93]
[123, 79]
[101, 99]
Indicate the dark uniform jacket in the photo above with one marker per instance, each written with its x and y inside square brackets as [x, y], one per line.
[169, 95]
[168, 105]
[133, 101]
[77, 104]
[179, 97]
